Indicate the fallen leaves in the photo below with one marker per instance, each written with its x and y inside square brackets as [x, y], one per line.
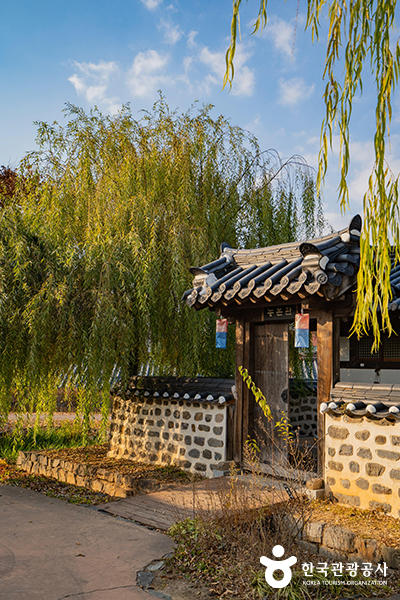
[96, 456]
[366, 524]
[11, 475]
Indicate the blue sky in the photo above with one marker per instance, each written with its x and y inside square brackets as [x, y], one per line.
[109, 53]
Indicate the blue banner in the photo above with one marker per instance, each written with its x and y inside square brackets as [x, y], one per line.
[220, 340]
[221, 333]
[302, 338]
[302, 331]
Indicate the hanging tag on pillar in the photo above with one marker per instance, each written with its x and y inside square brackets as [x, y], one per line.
[302, 331]
[221, 333]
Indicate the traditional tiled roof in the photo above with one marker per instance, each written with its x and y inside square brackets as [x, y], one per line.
[325, 266]
[373, 400]
[197, 389]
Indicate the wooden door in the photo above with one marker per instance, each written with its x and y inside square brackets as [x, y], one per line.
[271, 375]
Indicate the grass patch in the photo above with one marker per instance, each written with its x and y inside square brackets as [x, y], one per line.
[96, 456]
[68, 434]
[222, 546]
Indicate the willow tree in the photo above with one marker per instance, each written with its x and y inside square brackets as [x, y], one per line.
[361, 37]
[106, 218]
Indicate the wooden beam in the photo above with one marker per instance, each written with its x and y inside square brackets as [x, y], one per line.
[238, 419]
[325, 377]
[336, 351]
[230, 428]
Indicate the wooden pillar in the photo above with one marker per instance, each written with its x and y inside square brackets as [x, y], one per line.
[244, 404]
[336, 350]
[325, 358]
[248, 399]
[238, 419]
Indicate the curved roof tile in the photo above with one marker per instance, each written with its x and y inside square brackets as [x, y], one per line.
[326, 265]
[374, 401]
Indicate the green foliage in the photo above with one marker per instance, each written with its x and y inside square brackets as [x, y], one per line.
[298, 357]
[257, 393]
[253, 449]
[282, 426]
[67, 435]
[362, 37]
[96, 242]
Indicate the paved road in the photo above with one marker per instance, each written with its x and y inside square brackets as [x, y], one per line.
[52, 550]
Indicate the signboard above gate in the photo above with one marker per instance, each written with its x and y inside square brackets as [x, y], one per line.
[279, 313]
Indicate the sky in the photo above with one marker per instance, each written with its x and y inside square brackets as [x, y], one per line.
[109, 53]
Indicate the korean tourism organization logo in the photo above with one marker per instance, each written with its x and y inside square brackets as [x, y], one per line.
[278, 565]
[324, 574]
[337, 572]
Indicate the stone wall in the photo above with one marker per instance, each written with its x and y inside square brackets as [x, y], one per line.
[191, 435]
[98, 479]
[362, 462]
[303, 409]
[341, 544]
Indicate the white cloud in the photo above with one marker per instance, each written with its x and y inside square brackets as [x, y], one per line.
[151, 4]
[172, 33]
[282, 35]
[92, 93]
[293, 91]
[93, 82]
[254, 125]
[185, 76]
[187, 63]
[147, 73]
[102, 69]
[244, 82]
[244, 76]
[190, 41]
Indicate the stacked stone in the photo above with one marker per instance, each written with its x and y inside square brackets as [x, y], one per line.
[362, 461]
[303, 415]
[96, 479]
[158, 431]
[339, 543]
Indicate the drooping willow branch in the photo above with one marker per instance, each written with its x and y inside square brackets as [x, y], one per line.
[362, 35]
[97, 239]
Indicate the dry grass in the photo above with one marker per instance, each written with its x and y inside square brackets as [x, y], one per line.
[367, 524]
[219, 550]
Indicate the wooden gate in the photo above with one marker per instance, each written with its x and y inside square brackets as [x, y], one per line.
[271, 375]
